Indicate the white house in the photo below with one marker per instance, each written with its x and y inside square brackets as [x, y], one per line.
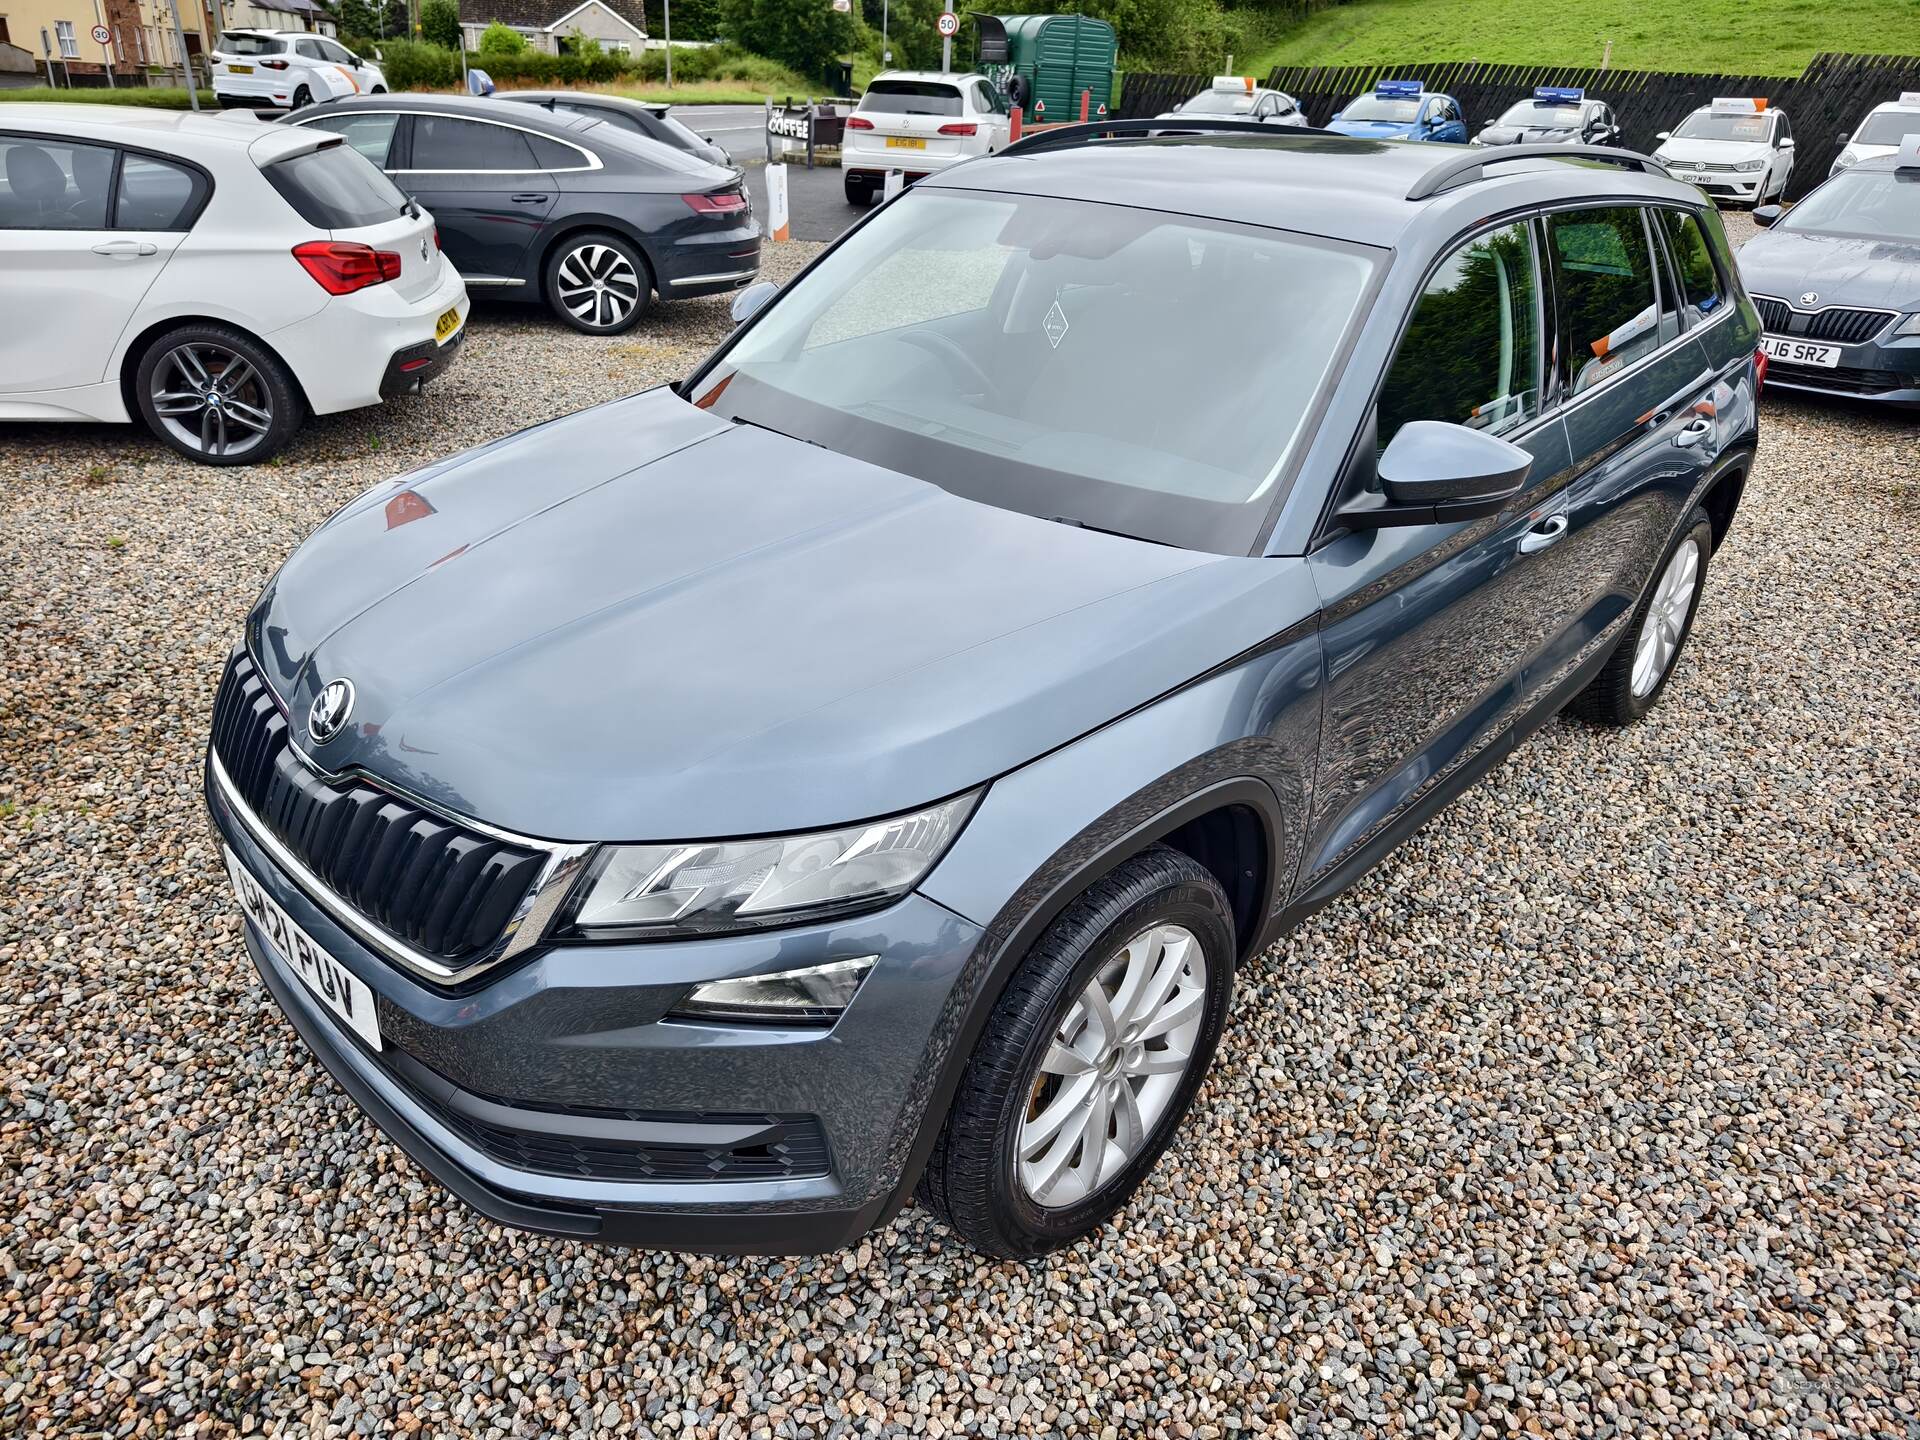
[548, 25]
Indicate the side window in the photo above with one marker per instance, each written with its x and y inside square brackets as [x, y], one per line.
[1785, 131]
[1670, 322]
[53, 185]
[446, 142]
[1471, 354]
[371, 135]
[309, 49]
[552, 155]
[156, 195]
[1603, 279]
[339, 54]
[1692, 256]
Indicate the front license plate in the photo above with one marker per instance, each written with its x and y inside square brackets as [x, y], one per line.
[447, 324]
[330, 982]
[1800, 352]
[240, 69]
[905, 142]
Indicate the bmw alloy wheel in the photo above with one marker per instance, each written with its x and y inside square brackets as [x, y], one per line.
[1666, 619]
[598, 285]
[1114, 1066]
[212, 399]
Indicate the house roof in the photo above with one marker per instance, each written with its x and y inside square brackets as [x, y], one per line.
[545, 14]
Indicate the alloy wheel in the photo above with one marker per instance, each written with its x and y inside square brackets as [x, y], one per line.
[1666, 620]
[598, 285]
[1113, 1066]
[212, 399]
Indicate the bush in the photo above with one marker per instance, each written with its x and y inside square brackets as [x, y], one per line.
[440, 23]
[500, 39]
[416, 65]
[807, 37]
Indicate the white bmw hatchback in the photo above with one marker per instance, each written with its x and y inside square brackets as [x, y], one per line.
[218, 277]
[281, 70]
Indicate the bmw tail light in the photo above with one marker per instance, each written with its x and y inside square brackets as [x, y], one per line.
[727, 202]
[960, 128]
[344, 266]
[859, 122]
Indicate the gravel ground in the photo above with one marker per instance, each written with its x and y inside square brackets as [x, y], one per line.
[1595, 1110]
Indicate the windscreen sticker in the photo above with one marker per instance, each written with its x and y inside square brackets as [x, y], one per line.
[1055, 324]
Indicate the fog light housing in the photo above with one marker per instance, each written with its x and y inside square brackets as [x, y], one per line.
[817, 995]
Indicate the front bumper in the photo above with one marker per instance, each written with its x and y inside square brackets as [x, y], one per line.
[575, 1041]
[1725, 184]
[1880, 373]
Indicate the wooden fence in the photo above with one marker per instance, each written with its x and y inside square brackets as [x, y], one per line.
[1823, 103]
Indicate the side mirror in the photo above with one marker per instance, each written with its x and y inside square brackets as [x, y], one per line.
[1664, 135]
[355, 61]
[1844, 137]
[749, 302]
[479, 83]
[1434, 473]
[1787, 144]
[1765, 215]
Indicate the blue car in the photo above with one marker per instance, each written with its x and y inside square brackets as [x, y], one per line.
[1402, 110]
[859, 769]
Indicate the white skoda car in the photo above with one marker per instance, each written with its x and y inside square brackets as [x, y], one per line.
[284, 70]
[218, 277]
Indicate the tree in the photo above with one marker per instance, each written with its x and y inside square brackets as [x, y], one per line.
[804, 35]
[499, 39]
[440, 22]
[910, 31]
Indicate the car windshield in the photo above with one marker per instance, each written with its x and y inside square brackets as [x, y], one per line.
[1127, 370]
[910, 97]
[1382, 107]
[1874, 204]
[1705, 125]
[1889, 127]
[231, 44]
[1536, 115]
[1218, 102]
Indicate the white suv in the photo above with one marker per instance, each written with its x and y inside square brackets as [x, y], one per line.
[918, 122]
[219, 277]
[284, 70]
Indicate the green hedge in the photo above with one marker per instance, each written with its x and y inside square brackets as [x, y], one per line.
[416, 65]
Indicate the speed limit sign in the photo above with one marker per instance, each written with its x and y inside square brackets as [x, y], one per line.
[101, 35]
[949, 24]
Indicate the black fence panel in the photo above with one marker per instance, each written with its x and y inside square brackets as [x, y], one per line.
[1824, 103]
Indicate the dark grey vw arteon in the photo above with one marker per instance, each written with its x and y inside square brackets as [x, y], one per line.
[700, 821]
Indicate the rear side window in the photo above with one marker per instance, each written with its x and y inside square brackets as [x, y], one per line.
[371, 135]
[911, 97]
[552, 155]
[1693, 259]
[1471, 354]
[54, 185]
[248, 45]
[156, 195]
[446, 142]
[336, 188]
[1603, 281]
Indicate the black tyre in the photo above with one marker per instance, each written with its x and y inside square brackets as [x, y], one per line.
[859, 191]
[1637, 673]
[1089, 1061]
[598, 283]
[302, 98]
[217, 395]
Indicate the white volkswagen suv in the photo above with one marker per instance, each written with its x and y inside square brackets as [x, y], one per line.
[284, 70]
[918, 122]
[219, 277]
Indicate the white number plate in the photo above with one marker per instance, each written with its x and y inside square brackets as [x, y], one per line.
[1800, 352]
[337, 988]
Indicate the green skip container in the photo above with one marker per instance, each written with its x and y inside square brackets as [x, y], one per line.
[1054, 58]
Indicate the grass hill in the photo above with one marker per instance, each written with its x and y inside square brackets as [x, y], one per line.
[1759, 37]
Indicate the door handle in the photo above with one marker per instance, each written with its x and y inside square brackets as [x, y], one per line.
[1544, 534]
[1694, 431]
[125, 249]
[1663, 412]
[530, 199]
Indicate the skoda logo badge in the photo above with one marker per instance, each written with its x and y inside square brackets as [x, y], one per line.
[1809, 297]
[331, 707]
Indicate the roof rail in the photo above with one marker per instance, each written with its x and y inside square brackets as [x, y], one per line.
[1470, 165]
[1090, 130]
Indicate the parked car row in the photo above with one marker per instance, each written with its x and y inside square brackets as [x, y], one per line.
[221, 278]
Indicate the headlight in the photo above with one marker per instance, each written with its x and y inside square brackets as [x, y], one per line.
[638, 892]
[1751, 165]
[1847, 157]
[812, 996]
[1909, 326]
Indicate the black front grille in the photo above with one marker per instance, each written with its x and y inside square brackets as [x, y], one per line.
[1836, 326]
[443, 889]
[1849, 381]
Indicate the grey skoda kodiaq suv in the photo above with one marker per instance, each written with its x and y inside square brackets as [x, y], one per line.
[700, 821]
